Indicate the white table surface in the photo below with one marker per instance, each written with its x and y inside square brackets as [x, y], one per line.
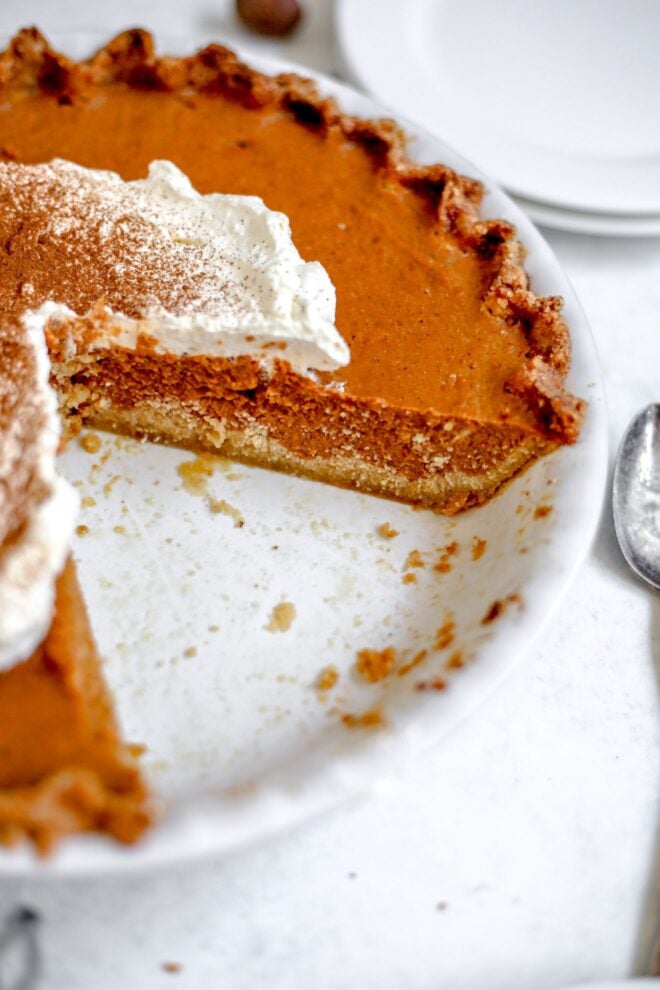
[523, 853]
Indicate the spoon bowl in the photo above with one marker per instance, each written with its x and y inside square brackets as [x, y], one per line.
[636, 495]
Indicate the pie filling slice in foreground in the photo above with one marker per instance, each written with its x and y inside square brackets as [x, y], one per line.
[63, 766]
[455, 377]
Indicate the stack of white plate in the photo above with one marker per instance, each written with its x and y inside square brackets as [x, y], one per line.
[558, 100]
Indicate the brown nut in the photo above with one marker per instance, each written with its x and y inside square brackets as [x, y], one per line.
[271, 17]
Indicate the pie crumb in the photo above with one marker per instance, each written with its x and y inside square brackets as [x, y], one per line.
[90, 442]
[387, 531]
[281, 617]
[455, 661]
[218, 505]
[172, 967]
[437, 684]
[375, 665]
[444, 563]
[109, 485]
[82, 530]
[444, 635]
[327, 678]
[498, 607]
[419, 657]
[414, 559]
[195, 474]
[478, 547]
[190, 652]
[366, 720]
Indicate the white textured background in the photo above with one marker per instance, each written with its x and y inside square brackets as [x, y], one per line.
[535, 823]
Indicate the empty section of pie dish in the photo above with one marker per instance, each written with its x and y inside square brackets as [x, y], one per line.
[239, 738]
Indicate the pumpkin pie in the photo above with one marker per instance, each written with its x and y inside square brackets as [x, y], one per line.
[438, 378]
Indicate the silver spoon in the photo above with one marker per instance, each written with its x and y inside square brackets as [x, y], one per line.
[636, 495]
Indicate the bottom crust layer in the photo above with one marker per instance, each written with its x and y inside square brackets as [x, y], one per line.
[169, 422]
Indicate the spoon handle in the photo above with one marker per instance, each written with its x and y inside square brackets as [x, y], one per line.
[20, 958]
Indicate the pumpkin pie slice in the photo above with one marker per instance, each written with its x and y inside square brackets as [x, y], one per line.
[63, 766]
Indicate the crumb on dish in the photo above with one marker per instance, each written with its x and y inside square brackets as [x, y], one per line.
[281, 617]
[387, 531]
[375, 665]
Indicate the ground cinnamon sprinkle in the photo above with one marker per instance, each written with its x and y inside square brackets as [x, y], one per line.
[375, 665]
[444, 635]
[387, 532]
[478, 548]
[327, 678]
[416, 660]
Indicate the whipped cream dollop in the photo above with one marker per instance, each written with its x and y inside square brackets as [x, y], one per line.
[216, 274]
[209, 274]
[29, 568]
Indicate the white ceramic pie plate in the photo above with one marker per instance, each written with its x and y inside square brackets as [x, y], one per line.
[239, 741]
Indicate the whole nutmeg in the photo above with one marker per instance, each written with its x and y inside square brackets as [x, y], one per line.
[271, 17]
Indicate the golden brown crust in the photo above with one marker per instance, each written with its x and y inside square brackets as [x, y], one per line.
[130, 59]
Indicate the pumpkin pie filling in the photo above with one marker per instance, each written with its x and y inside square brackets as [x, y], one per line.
[63, 766]
[455, 378]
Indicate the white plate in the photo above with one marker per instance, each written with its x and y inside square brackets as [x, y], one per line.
[558, 101]
[579, 222]
[239, 743]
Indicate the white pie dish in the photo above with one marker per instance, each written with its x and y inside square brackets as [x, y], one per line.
[239, 743]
